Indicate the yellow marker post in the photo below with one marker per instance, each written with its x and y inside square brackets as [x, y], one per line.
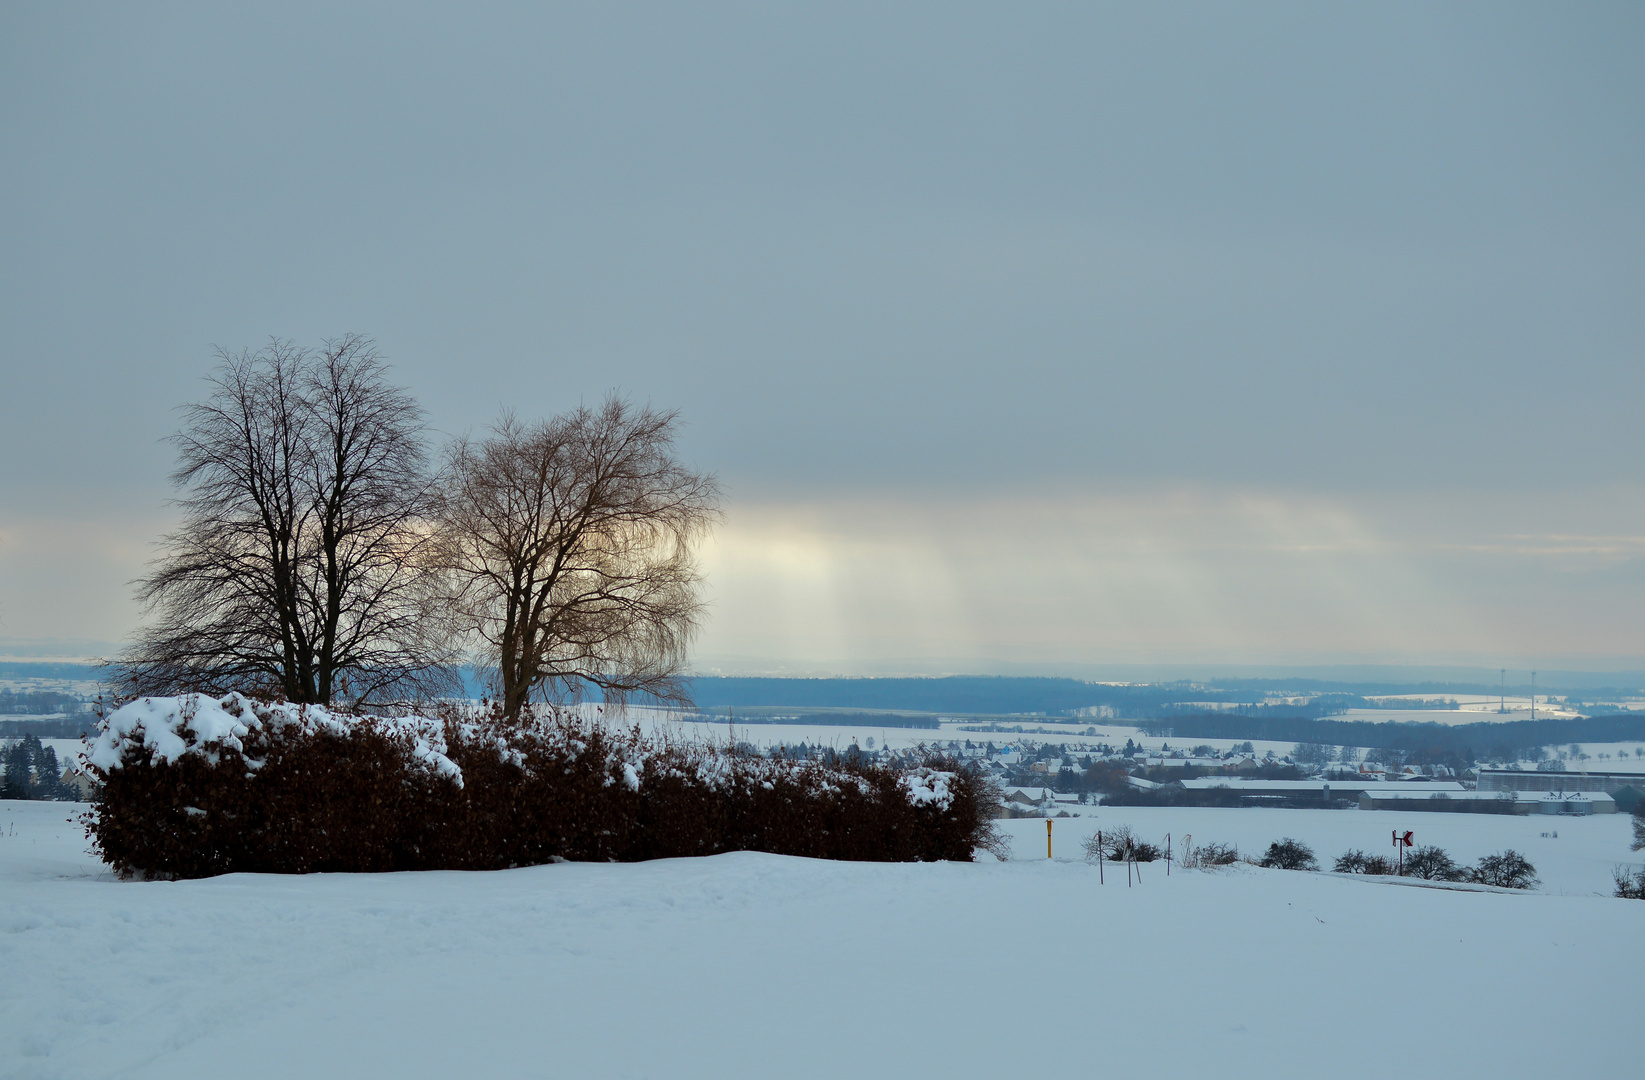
[1048, 838]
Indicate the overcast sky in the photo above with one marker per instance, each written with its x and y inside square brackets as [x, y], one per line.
[1066, 334]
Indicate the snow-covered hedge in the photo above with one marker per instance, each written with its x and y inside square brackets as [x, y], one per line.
[163, 730]
[194, 786]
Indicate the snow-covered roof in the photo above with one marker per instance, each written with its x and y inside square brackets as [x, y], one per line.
[1609, 772]
[1406, 789]
[1422, 791]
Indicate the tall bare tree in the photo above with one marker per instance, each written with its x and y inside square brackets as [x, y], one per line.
[571, 542]
[300, 566]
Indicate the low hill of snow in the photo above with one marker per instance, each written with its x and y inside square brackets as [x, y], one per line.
[752, 965]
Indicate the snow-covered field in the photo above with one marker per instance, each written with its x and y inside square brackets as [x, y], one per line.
[1469, 714]
[753, 965]
[840, 736]
[1576, 861]
[1039, 730]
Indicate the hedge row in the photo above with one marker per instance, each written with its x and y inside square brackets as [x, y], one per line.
[299, 791]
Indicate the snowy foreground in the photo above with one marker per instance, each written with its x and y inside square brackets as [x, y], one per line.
[753, 965]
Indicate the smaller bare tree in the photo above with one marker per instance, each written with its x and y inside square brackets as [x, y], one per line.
[571, 547]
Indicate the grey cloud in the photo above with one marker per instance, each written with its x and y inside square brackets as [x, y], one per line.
[925, 248]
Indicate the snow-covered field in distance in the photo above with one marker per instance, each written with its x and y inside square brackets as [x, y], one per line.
[86, 688]
[751, 965]
[840, 736]
[1576, 862]
[1035, 729]
[1449, 716]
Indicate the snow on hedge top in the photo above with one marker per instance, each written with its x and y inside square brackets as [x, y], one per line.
[172, 727]
[927, 785]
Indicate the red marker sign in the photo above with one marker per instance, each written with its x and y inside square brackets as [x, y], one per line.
[1400, 844]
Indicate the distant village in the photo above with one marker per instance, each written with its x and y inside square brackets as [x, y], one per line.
[1055, 779]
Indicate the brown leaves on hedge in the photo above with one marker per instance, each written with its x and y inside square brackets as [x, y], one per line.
[557, 787]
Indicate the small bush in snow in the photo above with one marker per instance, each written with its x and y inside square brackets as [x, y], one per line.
[1119, 845]
[1204, 856]
[1289, 854]
[1358, 862]
[196, 786]
[1507, 869]
[1433, 864]
[1350, 862]
[1630, 884]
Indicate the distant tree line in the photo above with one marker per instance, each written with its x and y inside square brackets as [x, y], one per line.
[66, 670]
[836, 719]
[1439, 690]
[1420, 743]
[73, 726]
[1055, 698]
[977, 694]
[329, 555]
[39, 702]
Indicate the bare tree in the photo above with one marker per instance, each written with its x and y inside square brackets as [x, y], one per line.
[299, 569]
[571, 545]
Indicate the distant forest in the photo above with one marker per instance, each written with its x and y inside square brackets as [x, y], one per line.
[1173, 706]
[1483, 741]
[67, 718]
[836, 719]
[984, 695]
[959, 694]
[1052, 697]
[38, 702]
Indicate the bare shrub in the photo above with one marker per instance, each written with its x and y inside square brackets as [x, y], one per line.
[1289, 854]
[1094, 846]
[1506, 869]
[1630, 883]
[1350, 862]
[1120, 845]
[1358, 862]
[1433, 864]
[1206, 856]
